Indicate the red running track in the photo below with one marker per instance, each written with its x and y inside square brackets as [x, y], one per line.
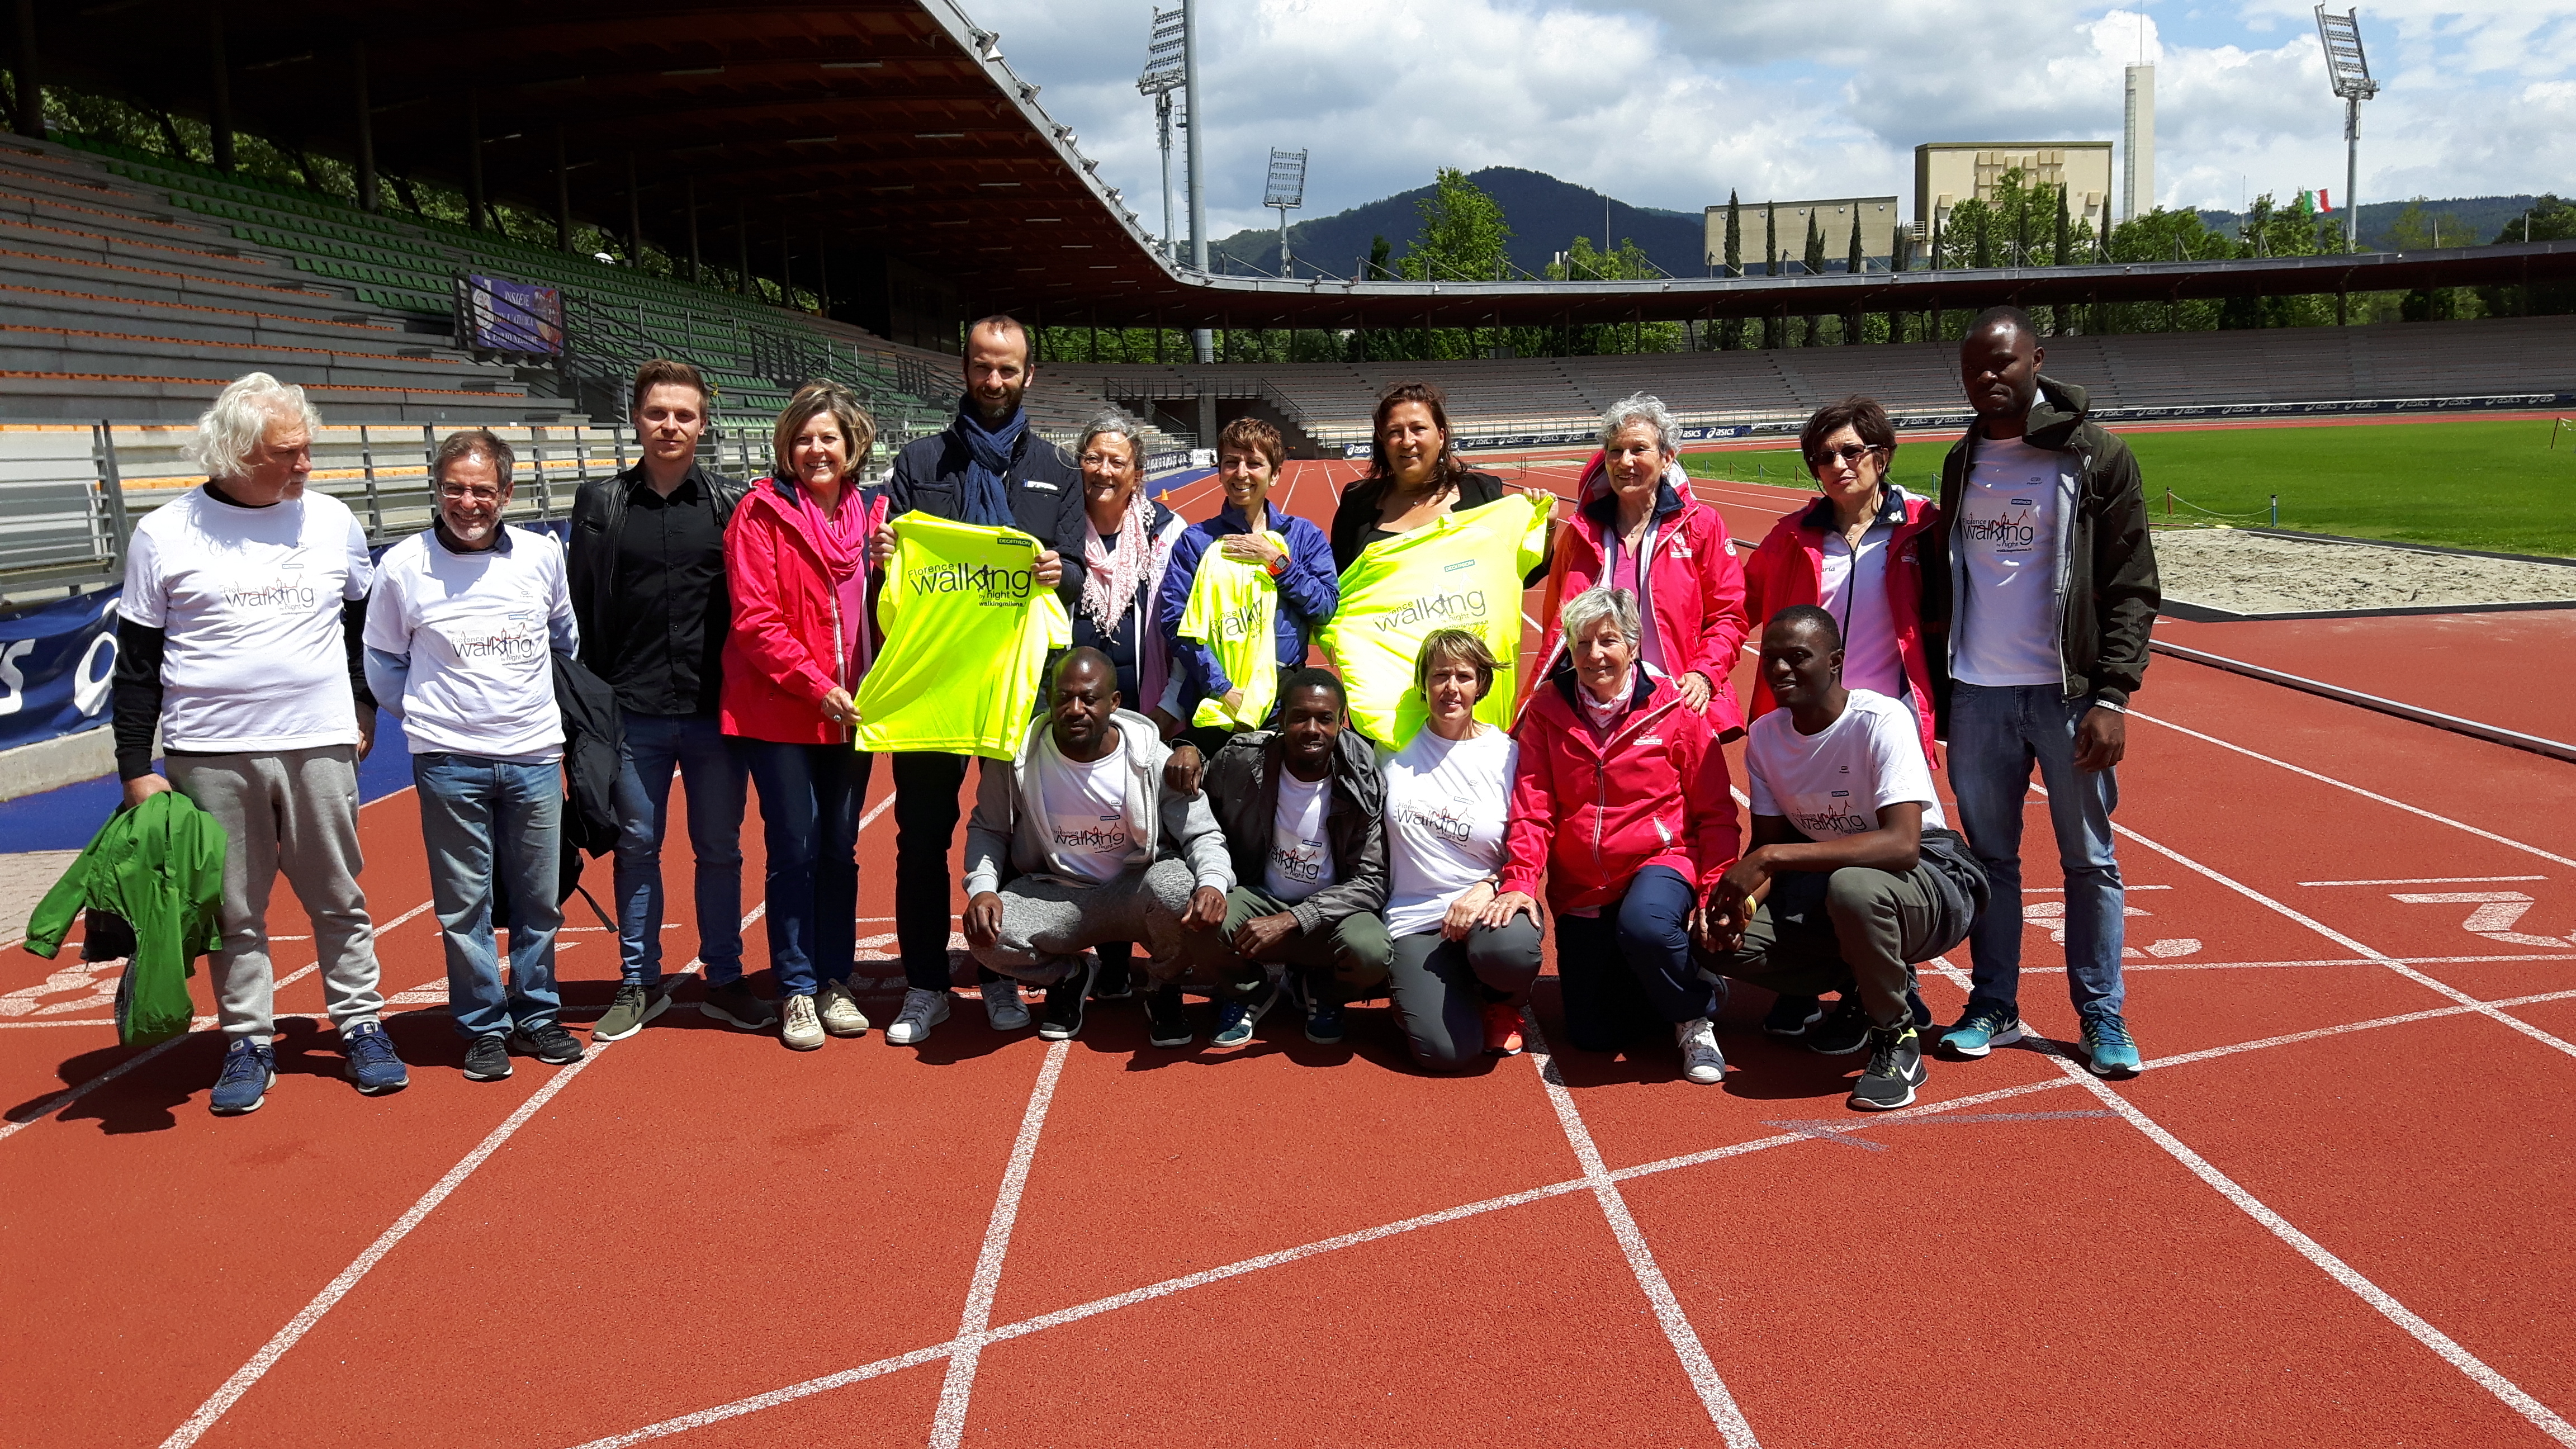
[2334, 1210]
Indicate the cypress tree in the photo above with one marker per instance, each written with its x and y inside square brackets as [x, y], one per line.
[1730, 333]
[1814, 261]
[1853, 266]
[1771, 266]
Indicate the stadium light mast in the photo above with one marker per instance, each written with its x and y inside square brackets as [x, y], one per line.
[1285, 190]
[2349, 70]
[1164, 74]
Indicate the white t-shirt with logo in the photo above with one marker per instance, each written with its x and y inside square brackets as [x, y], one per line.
[1834, 783]
[1445, 805]
[478, 628]
[249, 602]
[2007, 541]
[1086, 815]
[1301, 858]
[1852, 586]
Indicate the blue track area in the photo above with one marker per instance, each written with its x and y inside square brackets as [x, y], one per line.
[65, 818]
[1170, 482]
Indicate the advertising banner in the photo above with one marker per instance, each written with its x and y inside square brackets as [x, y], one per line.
[56, 664]
[515, 316]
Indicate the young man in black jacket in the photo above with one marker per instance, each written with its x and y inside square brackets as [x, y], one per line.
[647, 574]
[2039, 586]
[987, 467]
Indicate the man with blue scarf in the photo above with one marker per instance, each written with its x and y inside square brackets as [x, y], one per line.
[988, 468]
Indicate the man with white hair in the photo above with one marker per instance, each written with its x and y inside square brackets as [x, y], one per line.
[238, 639]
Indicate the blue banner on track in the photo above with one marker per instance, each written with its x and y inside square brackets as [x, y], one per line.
[56, 664]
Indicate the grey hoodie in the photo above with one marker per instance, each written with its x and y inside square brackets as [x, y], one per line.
[1007, 836]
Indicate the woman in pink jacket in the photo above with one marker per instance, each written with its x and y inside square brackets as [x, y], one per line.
[1620, 800]
[1636, 526]
[796, 561]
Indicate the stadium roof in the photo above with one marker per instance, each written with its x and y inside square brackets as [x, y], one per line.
[898, 127]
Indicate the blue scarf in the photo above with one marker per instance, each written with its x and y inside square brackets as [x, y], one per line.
[988, 498]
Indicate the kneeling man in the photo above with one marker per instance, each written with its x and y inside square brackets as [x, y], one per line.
[1079, 841]
[1854, 874]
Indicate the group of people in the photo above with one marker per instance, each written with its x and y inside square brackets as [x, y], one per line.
[1173, 778]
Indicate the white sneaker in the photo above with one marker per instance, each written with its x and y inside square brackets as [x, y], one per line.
[840, 1010]
[798, 1026]
[1002, 1006]
[1702, 1062]
[921, 1011]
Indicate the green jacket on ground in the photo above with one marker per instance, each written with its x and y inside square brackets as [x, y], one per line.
[159, 866]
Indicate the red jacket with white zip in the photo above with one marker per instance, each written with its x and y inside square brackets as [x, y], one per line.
[1789, 568]
[789, 642]
[1590, 812]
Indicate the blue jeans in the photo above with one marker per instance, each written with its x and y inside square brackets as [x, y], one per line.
[1995, 736]
[809, 811]
[495, 837]
[712, 769]
[1627, 972]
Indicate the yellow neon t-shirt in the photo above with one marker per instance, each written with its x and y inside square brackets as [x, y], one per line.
[967, 628]
[1234, 610]
[1463, 571]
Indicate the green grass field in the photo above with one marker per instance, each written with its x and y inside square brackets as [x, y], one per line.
[2487, 485]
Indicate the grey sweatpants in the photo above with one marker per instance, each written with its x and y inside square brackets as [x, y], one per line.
[1047, 923]
[1881, 922]
[294, 811]
[1440, 988]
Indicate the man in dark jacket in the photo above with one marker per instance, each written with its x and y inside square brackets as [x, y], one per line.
[2039, 588]
[1304, 815]
[987, 467]
[646, 568]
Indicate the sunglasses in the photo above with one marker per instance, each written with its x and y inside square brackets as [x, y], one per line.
[1849, 454]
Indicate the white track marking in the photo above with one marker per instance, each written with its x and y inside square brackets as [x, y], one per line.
[2416, 880]
[1713, 1393]
[2431, 1014]
[974, 1326]
[2356, 789]
[770, 1400]
[868, 819]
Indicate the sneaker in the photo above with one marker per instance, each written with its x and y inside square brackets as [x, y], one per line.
[487, 1058]
[372, 1063]
[1843, 1031]
[1895, 1069]
[250, 1069]
[1790, 1016]
[1003, 1009]
[1702, 1062]
[550, 1043]
[921, 1011]
[840, 1010]
[1981, 1031]
[1065, 1000]
[1324, 1023]
[632, 1006]
[735, 1006]
[1117, 978]
[1502, 1029]
[2108, 1048]
[1238, 1015]
[1922, 1012]
[800, 1026]
[1167, 1018]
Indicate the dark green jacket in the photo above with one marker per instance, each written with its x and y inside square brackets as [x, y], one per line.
[160, 866]
[2106, 578]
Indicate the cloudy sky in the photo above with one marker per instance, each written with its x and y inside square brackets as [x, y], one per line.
[1673, 102]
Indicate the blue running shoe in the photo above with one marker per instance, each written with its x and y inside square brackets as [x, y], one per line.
[1324, 1023]
[372, 1063]
[2108, 1048]
[1982, 1030]
[1236, 1018]
[250, 1069]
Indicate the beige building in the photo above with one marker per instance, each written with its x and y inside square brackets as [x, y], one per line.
[1949, 172]
[1878, 218]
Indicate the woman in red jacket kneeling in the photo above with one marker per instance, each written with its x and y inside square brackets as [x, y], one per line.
[1620, 800]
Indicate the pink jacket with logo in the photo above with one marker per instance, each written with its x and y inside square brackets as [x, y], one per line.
[1789, 568]
[789, 646]
[1588, 813]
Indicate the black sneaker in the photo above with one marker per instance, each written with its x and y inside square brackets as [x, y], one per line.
[549, 1043]
[1790, 1016]
[487, 1058]
[1324, 1023]
[1117, 980]
[1895, 1069]
[1167, 1018]
[1843, 1031]
[735, 1006]
[1065, 1001]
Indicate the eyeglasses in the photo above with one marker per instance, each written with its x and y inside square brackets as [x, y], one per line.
[469, 495]
[1850, 454]
[1106, 462]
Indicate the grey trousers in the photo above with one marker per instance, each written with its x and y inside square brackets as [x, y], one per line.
[1881, 922]
[294, 811]
[1346, 962]
[1048, 923]
[1441, 987]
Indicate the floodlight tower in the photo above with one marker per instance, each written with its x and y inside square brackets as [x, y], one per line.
[2350, 72]
[1286, 190]
[1164, 74]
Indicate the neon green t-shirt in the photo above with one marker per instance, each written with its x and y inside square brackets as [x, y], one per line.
[1234, 610]
[967, 629]
[1463, 571]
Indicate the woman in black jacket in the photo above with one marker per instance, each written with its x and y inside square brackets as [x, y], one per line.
[1414, 476]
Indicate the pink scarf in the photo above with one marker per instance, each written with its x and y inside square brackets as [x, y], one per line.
[842, 538]
[1605, 717]
[1110, 576]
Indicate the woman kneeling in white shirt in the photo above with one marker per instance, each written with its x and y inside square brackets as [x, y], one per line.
[1462, 967]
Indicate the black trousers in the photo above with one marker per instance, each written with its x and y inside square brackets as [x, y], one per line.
[926, 787]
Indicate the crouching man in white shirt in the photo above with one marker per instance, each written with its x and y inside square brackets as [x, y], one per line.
[1854, 875]
[459, 630]
[1080, 841]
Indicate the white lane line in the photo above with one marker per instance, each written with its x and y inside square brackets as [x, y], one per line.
[757, 1402]
[1713, 1393]
[882, 806]
[2356, 789]
[249, 1374]
[948, 1426]
[2430, 1014]
[2419, 880]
